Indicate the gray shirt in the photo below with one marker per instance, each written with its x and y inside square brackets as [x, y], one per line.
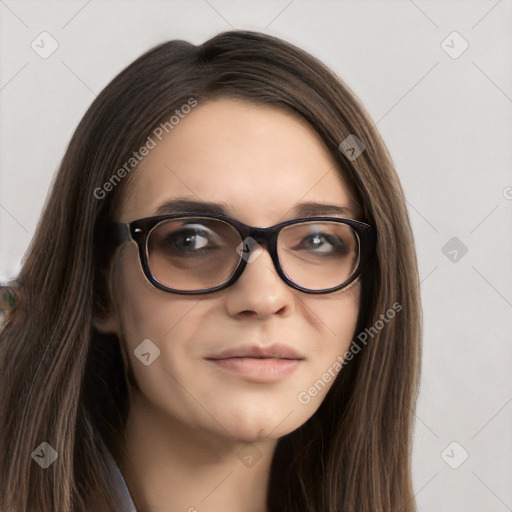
[119, 485]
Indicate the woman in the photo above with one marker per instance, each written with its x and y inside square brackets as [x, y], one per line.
[167, 352]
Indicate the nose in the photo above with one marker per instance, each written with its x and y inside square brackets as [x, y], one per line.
[259, 291]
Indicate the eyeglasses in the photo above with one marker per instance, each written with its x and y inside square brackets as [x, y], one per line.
[191, 253]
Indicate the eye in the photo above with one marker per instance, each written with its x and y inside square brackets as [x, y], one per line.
[190, 240]
[187, 239]
[323, 243]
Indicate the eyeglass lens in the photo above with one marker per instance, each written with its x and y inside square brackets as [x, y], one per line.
[197, 253]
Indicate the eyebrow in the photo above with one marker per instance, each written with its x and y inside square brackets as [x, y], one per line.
[306, 209]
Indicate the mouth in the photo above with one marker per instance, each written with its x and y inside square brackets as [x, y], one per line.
[258, 364]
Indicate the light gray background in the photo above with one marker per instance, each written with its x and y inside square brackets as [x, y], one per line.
[446, 121]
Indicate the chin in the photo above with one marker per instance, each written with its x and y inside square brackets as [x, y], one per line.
[264, 423]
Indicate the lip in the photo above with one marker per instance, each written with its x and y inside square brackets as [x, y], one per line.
[257, 363]
[275, 350]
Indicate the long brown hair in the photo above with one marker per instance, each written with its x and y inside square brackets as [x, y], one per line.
[64, 383]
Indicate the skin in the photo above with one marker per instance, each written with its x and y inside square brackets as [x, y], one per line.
[188, 423]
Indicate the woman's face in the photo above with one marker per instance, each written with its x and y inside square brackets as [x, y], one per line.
[263, 163]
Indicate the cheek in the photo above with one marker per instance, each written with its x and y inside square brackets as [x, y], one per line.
[143, 311]
[336, 318]
[155, 328]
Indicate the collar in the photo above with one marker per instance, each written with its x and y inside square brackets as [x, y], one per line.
[119, 485]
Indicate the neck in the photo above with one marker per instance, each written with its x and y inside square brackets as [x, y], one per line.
[170, 467]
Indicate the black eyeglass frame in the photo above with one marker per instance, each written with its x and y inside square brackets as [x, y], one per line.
[139, 231]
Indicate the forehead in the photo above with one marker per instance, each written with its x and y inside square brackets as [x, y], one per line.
[259, 161]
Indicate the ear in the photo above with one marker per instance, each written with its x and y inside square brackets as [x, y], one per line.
[106, 323]
[105, 318]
